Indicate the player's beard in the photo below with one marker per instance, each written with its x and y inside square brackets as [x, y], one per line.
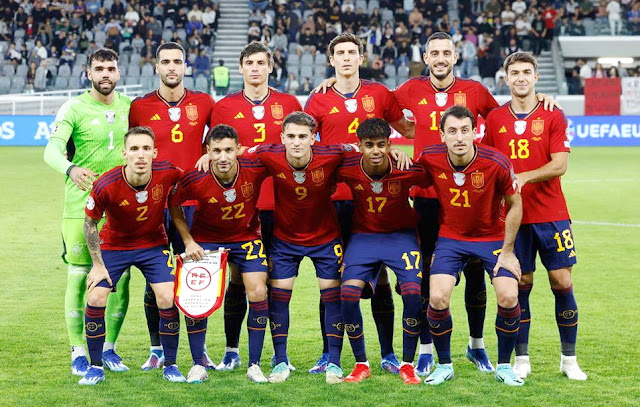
[172, 83]
[105, 92]
[443, 76]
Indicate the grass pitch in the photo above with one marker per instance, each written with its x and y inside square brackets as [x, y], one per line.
[602, 188]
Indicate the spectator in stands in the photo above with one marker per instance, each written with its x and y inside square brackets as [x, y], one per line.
[574, 85]
[519, 7]
[40, 51]
[193, 25]
[258, 5]
[633, 17]
[549, 15]
[538, 32]
[599, 71]
[84, 78]
[148, 53]
[389, 53]
[43, 77]
[468, 53]
[501, 87]
[202, 64]
[279, 40]
[132, 17]
[207, 37]
[587, 10]
[415, 18]
[615, 22]
[571, 8]
[613, 72]
[576, 28]
[512, 47]
[68, 54]
[31, 76]
[622, 71]
[195, 13]
[113, 29]
[254, 33]
[209, 17]
[307, 42]
[195, 42]
[292, 85]
[602, 13]
[507, 17]
[13, 55]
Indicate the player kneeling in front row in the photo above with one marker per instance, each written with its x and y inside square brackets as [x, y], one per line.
[134, 197]
[471, 181]
[226, 216]
[384, 233]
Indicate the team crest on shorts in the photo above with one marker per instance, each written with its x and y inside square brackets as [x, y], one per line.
[142, 196]
[229, 195]
[460, 99]
[277, 111]
[111, 116]
[258, 112]
[192, 112]
[156, 192]
[376, 187]
[174, 113]
[351, 105]
[477, 179]
[394, 187]
[247, 189]
[537, 127]
[520, 126]
[459, 178]
[441, 98]
[299, 177]
[317, 175]
[91, 203]
[368, 103]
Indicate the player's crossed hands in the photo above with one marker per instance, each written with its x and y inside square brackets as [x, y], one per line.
[82, 177]
[508, 261]
[96, 275]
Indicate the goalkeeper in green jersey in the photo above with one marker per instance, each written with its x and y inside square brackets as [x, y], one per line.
[94, 124]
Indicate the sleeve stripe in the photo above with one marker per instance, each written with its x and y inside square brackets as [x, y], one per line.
[201, 175]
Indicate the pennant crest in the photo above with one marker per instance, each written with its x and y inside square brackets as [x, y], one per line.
[477, 179]
[376, 187]
[247, 189]
[441, 99]
[459, 178]
[317, 175]
[258, 112]
[520, 126]
[192, 112]
[351, 105]
[156, 192]
[142, 196]
[537, 127]
[174, 114]
[277, 111]
[299, 177]
[460, 99]
[394, 187]
[230, 195]
[368, 103]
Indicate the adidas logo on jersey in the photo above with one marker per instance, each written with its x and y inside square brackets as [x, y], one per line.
[213, 200]
[95, 122]
[239, 116]
[442, 176]
[359, 187]
[156, 117]
[423, 101]
[502, 130]
[281, 175]
[124, 203]
[334, 110]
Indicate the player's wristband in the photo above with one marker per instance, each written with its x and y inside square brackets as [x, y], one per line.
[72, 166]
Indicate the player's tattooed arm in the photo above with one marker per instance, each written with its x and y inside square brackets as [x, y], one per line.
[507, 258]
[98, 270]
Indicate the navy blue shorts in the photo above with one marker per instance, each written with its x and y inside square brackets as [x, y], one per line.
[366, 252]
[450, 255]
[154, 262]
[172, 233]
[552, 240]
[286, 258]
[249, 256]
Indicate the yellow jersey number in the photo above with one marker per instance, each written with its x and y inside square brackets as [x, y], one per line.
[519, 148]
[435, 121]
[261, 129]
[456, 195]
[176, 135]
[415, 265]
[301, 192]
[251, 246]
[143, 211]
[564, 241]
[353, 127]
[339, 252]
[379, 200]
[229, 214]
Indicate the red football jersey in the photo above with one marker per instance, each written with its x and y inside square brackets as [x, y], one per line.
[179, 129]
[529, 143]
[223, 213]
[338, 116]
[135, 218]
[471, 200]
[257, 123]
[428, 103]
[304, 213]
[381, 205]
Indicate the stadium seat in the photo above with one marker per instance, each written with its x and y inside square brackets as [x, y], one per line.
[134, 59]
[306, 14]
[147, 70]
[386, 15]
[148, 84]
[476, 78]
[167, 35]
[19, 35]
[22, 70]
[31, 44]
[123, 59]
[317, 81]
[123, 46]
[64, 70]
[202, 84]
[390, 82]
[17, 85]
[53, 69]
[132, 80]
[306, 60]
[361, 4]
[133, 70]
[182, 34]
[490, 83]
[107, 4]
[100, 37]
[188, 82]
[403, 72]
[8, 70]
[5, 85]
[373, 4]
[61, 83]
[320, 70]
[81, 59]
[89, 34]
[589, 26]
[320, 59]
[293, 46]
[293, 60]
[169, 24]
[76, 71]
[390, 70]
[306, 72]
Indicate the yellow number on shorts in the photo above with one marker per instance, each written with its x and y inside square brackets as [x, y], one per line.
[416, 262]
[228, 209]
[169, 258]
[568, 240]
[337, 249]
[261, 129]
[301, 192]
[176, 135]
[457, 194]
[143, 211]
[353, 127]
[523, 148]
[434, 120]
[379, 200]
[249, 248]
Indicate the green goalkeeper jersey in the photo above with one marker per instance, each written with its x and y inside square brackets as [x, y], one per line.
[97, 131]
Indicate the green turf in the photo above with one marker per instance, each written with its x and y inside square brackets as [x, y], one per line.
[601, 186]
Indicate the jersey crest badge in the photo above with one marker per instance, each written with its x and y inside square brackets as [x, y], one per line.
[477, 179]
[537, 127]
[111, 116]
[247, 189]
[142, 196]
[299, 177]
[368, 103]
[459, 178]
[317, 175]
[376, 187]
[520, 126]
[441, 98]
[258, 112]
[351, 105]
[277, 111]
[229, 195]
[156, 192]
[91, 203]
[394, 187]
[192, 112]
[174, 113]
[460, 99]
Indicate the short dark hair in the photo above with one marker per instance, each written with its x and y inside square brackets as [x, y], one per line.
[170, 45]
[459, 112]
[301, 119]
[374, 129]
[345, 37]
[103, 54]
[222, 131]
[140, 130]
[255, 47]
[520, 57]
[439, 35]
